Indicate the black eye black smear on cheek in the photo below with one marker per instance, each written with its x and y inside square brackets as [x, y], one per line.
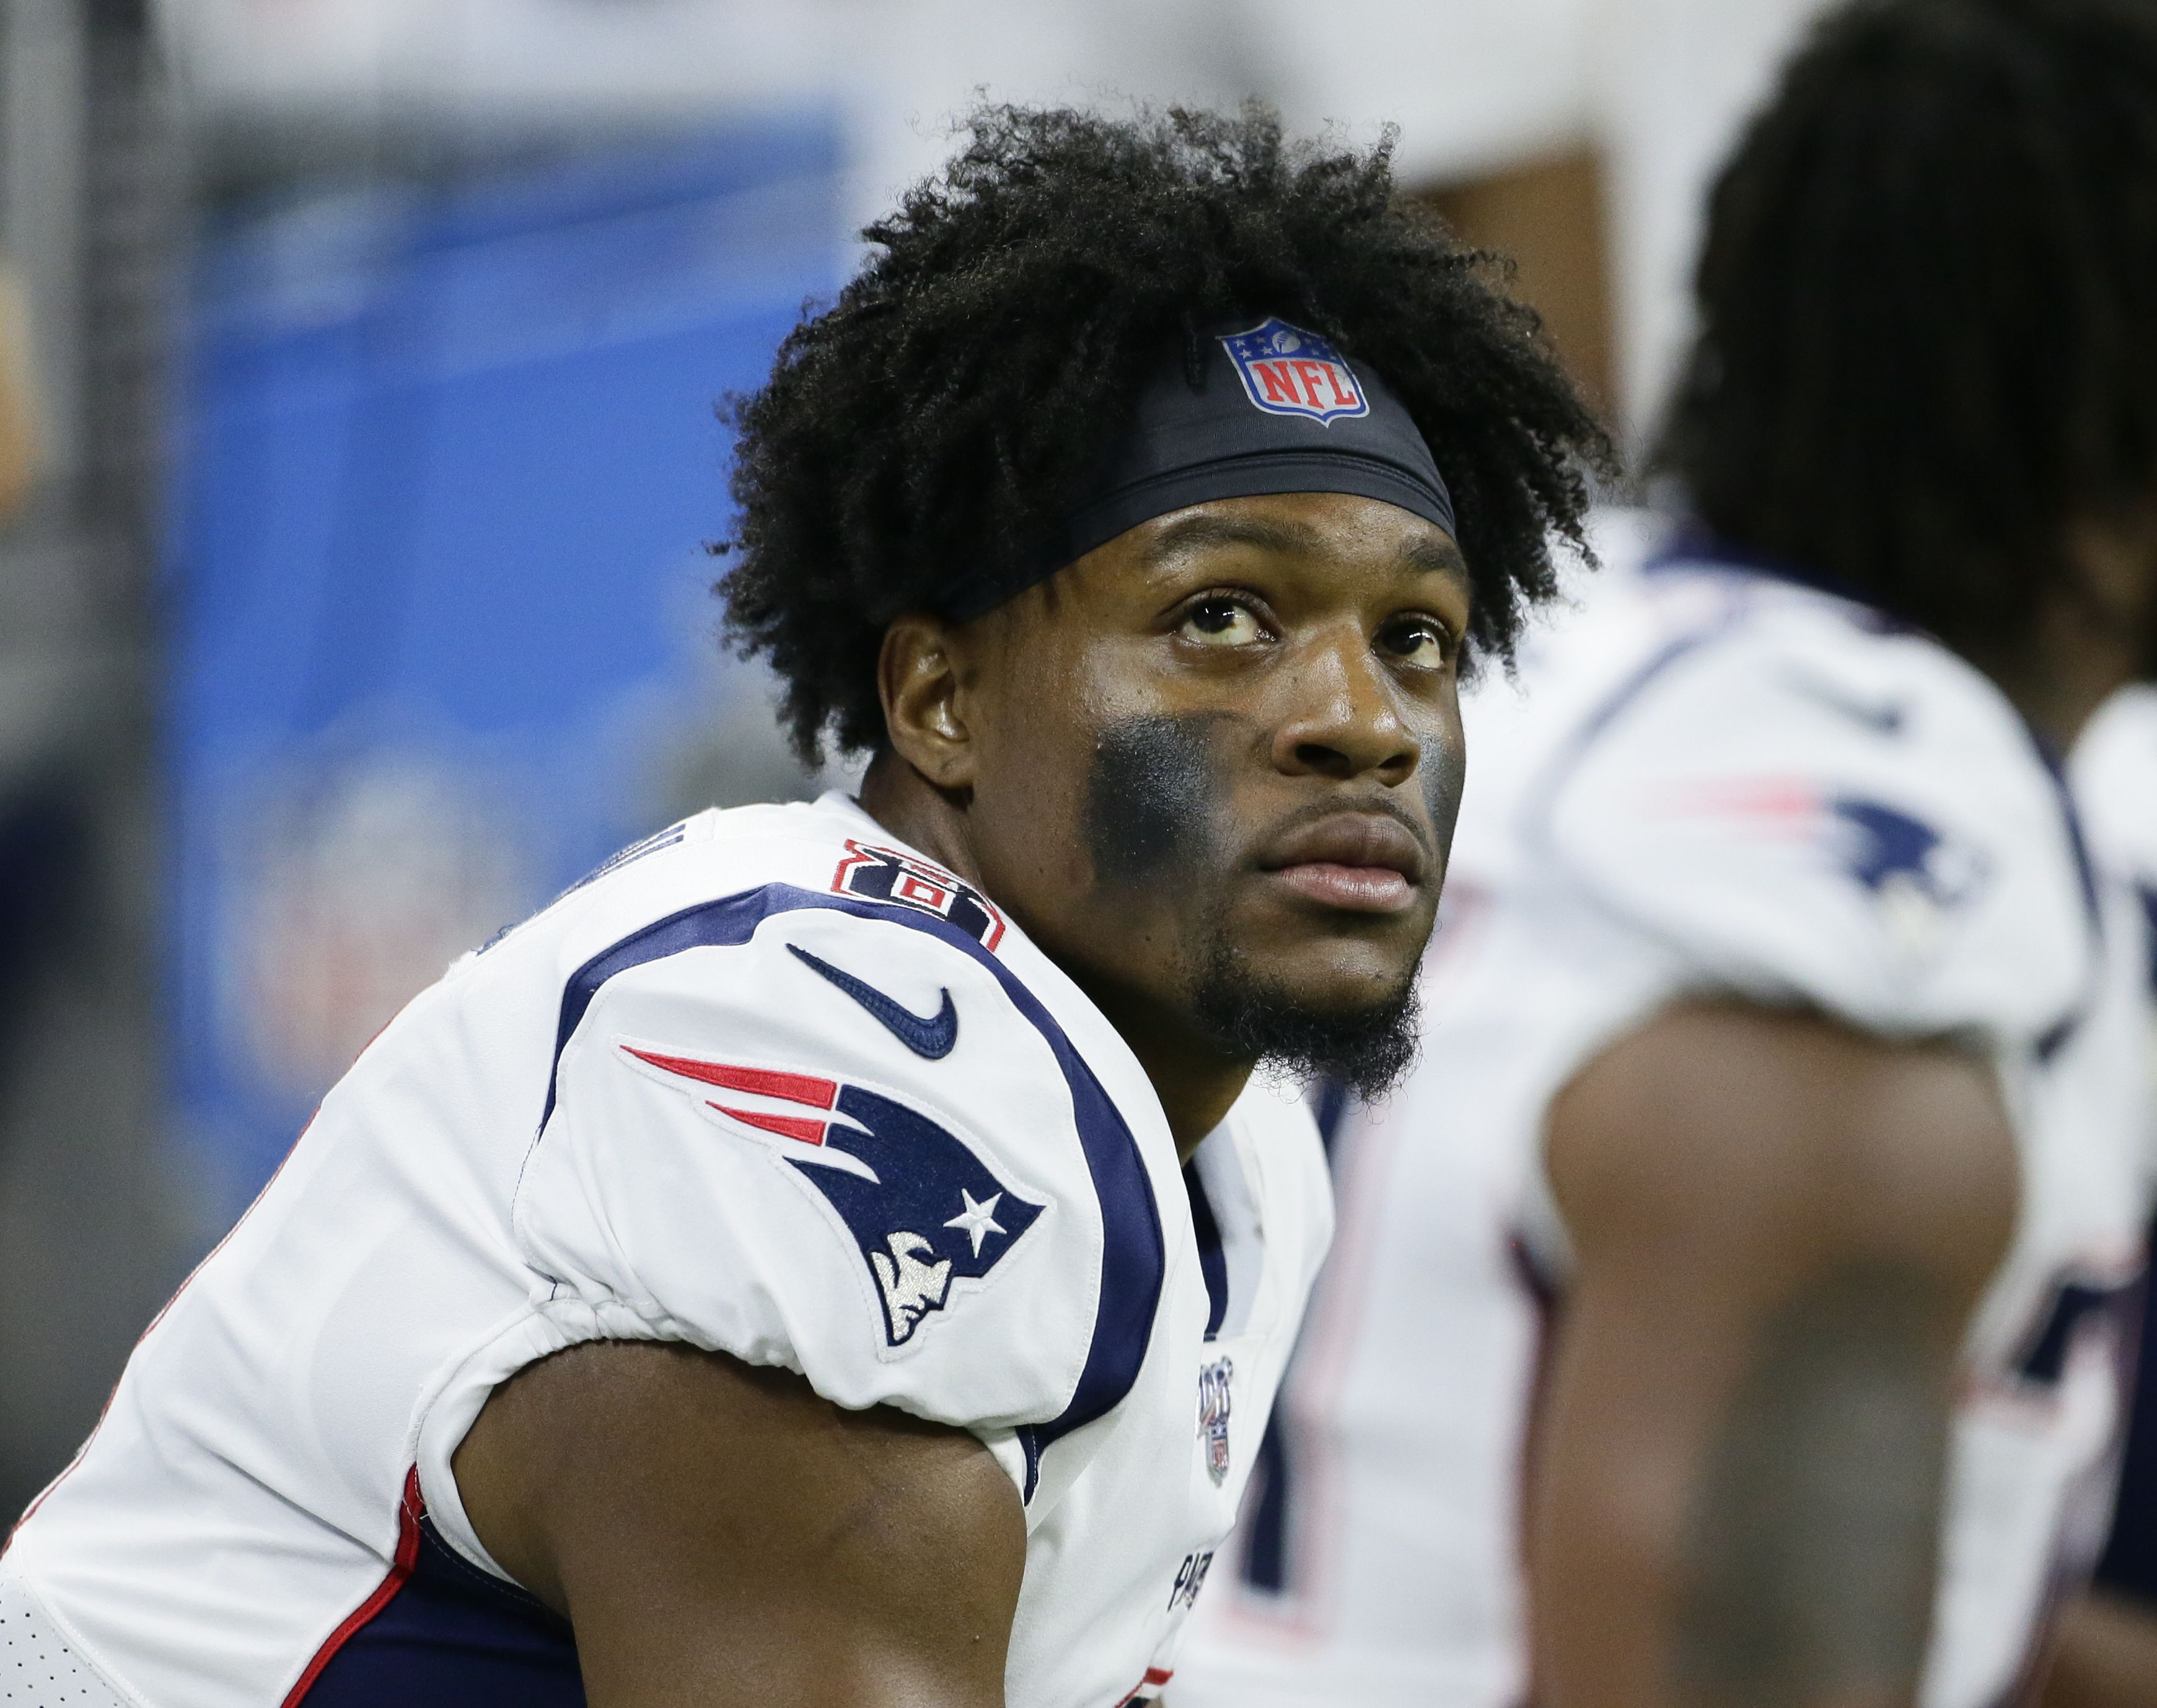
[1443, 773]
[1150, 797]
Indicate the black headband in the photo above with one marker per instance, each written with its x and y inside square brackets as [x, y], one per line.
[1275, 410]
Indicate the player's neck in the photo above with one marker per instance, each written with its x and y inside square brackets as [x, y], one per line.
[1195, 1085]
[2091, 634]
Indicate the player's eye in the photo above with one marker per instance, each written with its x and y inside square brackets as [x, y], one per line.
[1421, 640]
[1219, 621]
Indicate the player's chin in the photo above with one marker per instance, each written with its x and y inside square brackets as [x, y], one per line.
[1342, 984]
[1341, 964]
[1344, 1011]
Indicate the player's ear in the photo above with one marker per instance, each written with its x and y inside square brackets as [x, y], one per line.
[918, 675]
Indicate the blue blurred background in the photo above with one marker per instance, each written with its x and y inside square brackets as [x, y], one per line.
[440, 628]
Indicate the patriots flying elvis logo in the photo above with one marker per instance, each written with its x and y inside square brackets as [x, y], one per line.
[925, 1212]
[1917, 876]
[1287, 371]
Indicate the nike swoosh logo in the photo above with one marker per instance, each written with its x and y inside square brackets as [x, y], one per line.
[1884, 718]
[931, 1035]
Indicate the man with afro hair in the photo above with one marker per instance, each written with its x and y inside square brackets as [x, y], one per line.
[841, 1253]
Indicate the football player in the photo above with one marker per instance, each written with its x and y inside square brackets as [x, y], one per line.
[1728, 1310]
[839, 1253]
[2106, 1653]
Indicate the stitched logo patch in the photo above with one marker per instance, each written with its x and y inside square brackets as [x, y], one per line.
[903, 880]
[1919, 877]
[1287, 371]
[1214, 1398]
[931, 1036]
[927, 1214]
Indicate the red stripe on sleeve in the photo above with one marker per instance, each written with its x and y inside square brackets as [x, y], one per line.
[800, 1126]
[765, 1081]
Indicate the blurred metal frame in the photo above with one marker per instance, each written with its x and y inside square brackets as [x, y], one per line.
[91, 188]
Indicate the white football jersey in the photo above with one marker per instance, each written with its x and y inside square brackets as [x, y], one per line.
[1707, 779]
[2114, 772]
[768, 1084]
[2115, 778]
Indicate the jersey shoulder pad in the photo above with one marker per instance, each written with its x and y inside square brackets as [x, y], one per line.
[828, 848]
[1804, 810]
[845, 1140]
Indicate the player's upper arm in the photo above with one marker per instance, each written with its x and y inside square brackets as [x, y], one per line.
[719, 1534]
[1780, 1230]
[1722, 1141]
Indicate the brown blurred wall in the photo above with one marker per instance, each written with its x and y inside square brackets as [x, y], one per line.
[19, 438]
[1549, 216]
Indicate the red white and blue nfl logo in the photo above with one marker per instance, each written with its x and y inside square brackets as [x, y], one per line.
[1287, 371]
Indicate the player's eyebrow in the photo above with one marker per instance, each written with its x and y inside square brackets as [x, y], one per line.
[1423, 556]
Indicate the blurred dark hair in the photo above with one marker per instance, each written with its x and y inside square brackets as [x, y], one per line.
[940, 416]
[1928, 306]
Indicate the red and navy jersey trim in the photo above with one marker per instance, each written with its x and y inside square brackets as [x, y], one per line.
[402, 1561]
[438, 1632]
[1134, 1258]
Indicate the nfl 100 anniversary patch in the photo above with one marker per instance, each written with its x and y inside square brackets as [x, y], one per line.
[1213, 1407]
[1287, 371]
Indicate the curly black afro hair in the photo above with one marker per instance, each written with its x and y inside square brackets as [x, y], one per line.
[1928, 307]
[939, 417]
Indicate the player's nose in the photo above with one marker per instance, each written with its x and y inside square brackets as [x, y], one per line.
[1342, 713]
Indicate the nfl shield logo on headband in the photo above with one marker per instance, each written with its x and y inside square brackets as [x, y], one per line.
[1287, 371]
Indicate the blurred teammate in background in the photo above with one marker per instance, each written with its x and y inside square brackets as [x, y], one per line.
[1729, 1310]
[2107, 1645]
[832, 1256]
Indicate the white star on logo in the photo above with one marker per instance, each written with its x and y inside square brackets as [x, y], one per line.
[978, 1220]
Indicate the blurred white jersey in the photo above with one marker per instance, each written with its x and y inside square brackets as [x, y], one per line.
[1707, 779]
[2114, 772]
[768, 1084]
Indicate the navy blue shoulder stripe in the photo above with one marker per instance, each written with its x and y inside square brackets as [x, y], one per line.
[2056, 1036]
[1213, 1256]
[1541, 806]
[1134, 1255]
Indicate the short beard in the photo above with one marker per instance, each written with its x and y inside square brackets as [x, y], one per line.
[1152, 808]
[1368, 1049]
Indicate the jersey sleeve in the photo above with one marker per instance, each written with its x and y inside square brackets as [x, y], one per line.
[1861, 829]
[841, 1145]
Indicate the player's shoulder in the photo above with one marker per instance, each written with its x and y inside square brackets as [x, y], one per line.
[1812, 802]
[816, 1102]
[811, 923]
[730, 867]
[1737, 666]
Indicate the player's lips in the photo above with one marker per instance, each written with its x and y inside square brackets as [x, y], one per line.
[1360, 862]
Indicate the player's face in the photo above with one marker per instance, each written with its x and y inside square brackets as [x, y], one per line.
[1218, 761]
